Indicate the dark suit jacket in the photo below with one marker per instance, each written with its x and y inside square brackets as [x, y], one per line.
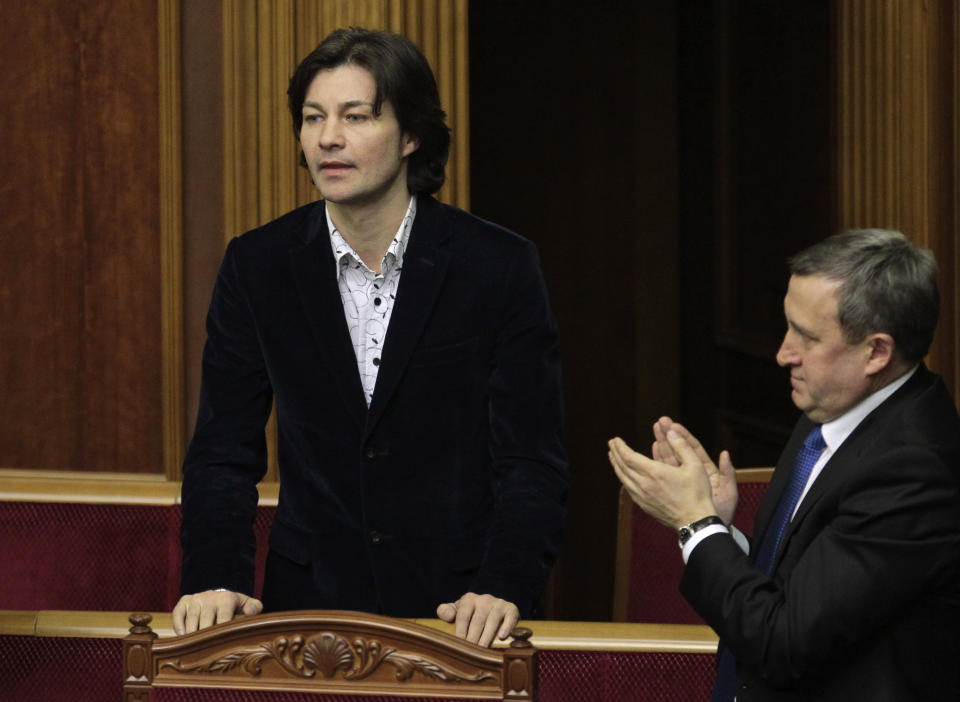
[454, 478]
[864, 600]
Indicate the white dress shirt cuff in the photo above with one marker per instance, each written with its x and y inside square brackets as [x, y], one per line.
[700, 536]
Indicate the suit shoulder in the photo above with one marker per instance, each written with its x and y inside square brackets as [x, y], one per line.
[918, 423]
[294, 227]
[924, 401]
[474, 232]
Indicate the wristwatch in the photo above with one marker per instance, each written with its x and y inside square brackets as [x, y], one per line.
[688, 530]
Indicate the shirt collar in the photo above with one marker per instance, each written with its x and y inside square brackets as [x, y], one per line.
[835, 432]
[394, 254]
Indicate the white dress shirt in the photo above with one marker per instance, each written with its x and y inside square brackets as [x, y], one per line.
[368, 297]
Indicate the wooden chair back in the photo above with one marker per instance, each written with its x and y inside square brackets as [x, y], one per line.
[333, 652]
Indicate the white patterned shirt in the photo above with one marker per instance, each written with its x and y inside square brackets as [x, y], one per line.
[368, 297]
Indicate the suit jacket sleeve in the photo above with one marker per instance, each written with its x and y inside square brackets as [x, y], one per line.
[227, 455]
[871, 548]
[529, 465]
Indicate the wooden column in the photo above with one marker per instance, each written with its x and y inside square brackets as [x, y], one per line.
[171, 239]
[898, 118]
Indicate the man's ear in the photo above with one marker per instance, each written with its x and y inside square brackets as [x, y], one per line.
[881, 348]
[408, 145]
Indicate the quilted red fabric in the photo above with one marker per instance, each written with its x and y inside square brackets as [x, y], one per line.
[106, 557]
[55, 669]
[656, 564]
[602, 676]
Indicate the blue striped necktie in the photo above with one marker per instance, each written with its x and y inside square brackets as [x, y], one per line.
[726, 685]
[806, 457]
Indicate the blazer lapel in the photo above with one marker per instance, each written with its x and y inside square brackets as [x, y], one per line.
[314, 275]
[424, 269]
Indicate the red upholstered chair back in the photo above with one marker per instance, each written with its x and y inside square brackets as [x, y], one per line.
[59, 669]
[81, 556]
[329, 652]
[649, 565]
[625, 676]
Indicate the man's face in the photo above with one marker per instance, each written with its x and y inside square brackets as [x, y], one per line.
[828, 375]
[355, 157]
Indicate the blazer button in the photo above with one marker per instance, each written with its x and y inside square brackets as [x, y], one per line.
[376, 538]
[369, 453]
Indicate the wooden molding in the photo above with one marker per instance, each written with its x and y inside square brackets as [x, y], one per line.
[171, 238]
[558, 635]
[240, 178]
[883, 136]
[953, 262]
[898, 129]
[621, 576]
[101, 488]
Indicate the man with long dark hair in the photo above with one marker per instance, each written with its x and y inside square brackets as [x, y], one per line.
[412, 356]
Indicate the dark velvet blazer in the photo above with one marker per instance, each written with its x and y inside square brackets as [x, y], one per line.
[453, 480]
[864, 601]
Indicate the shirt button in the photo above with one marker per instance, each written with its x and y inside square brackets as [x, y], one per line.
[377, 301]
[376, 361]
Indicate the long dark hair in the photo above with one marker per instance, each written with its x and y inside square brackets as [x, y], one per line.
[403, 78]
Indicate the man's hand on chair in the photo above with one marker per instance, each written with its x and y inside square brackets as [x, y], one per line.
[479, 618]
[211, 607]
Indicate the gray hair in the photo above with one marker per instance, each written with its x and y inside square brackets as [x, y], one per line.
[887, 284]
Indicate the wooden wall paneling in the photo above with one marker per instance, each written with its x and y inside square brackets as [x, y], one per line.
[276, 60]
[755, 115]
[944, 199]
[883, 116]
[171, 238]
[241, 164]
[897, 119]
[459, 164]
[953, 262]
[202, 146]
[262, 42]
[80, 246]
[581, 157]
[277, 161]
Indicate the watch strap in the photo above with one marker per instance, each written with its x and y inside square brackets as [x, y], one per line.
[688, 530]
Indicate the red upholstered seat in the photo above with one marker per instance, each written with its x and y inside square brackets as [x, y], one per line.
[625, 676]
[649, 564]
[81, 556]
[60, 669]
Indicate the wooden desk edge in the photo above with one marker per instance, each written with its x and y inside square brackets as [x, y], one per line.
[18, 485]
[100, 488]
[548, 635]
